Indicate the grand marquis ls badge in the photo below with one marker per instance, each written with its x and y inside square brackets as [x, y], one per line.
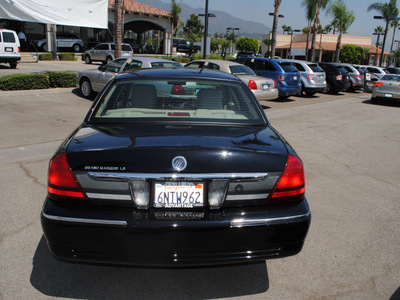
[179, 163]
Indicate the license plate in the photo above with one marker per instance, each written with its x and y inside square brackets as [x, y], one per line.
[9, 49]
[295, 77]
[178, 194]
[388, 95]
[265, 86]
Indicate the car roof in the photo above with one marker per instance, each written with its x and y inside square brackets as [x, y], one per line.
[217, 61]
[178, 73]
[148, 59]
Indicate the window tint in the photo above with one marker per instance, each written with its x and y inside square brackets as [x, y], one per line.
[315, 68]
[101, 47]
[162, 64]
[288, 67]
[177, 100]
[390, 77]
[134, 64]
[212, 66]
[8, 37]
[299, 67]
[194, 65]
[241, 70]
[126, 48]
[115, 65]
[348, 69]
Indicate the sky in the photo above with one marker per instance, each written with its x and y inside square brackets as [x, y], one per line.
[257, 10]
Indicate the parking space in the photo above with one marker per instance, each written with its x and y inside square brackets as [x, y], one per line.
[350, 151]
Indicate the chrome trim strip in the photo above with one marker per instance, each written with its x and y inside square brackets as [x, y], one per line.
[164, 176]
[247, 197]
[86, 221]
[238, 223]
[110, 196]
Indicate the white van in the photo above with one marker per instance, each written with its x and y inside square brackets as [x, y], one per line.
[9, 47]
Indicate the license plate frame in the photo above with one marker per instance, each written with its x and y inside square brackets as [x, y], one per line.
[9, 49]
[184, 194]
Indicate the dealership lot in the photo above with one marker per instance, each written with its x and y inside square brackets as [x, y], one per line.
[350, 151]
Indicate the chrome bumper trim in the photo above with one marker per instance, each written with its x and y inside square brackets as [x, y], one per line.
[238, 223]
[109, 196]
[247, 196]
[86, 221]
[172, 176]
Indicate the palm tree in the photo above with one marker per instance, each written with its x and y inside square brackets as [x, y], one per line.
[344, 19]
[310, 15]
[286, 28]
[379, 31]
[395, 24]
[318, 5]
[277, 4]
[388, 11]
[175, 11]
[328, 28]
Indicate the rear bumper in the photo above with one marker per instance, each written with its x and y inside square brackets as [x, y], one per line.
[266, 95]
[159, 238]
[8, 59]
[289, 90]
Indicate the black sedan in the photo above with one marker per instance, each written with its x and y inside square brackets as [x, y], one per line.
[175, 167]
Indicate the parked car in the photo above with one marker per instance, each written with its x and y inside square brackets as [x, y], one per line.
[9, 48]
[376, 72]
[386, 89]
[247, 54]
[286, 76]
[313, 78]
[105, 52]
[92, 81]
[356, 78]
[392, 70]
[159, 179]
[263, 88]
[64, 41]
[337, 79]
[183, 45]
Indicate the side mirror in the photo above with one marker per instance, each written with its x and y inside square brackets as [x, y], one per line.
[101, 68]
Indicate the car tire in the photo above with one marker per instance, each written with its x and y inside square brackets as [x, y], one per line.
[13, 65]
[88, 60]
[283, 97]
[77, 48]
[86, 88]
[310, 94]
[44, 47]
[374, 100]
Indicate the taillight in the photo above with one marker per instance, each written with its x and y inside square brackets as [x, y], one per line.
[61, 181]
[378, 83]
[178, 90]
[339, 77]
[274, 84]
[281, 77]
[252, 85]
[359, 76]
[310, 77]
[19, 49]
[291, 184]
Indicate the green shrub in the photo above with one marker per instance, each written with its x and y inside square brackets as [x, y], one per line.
[24, 82]
[45, 56]
[247, 44]
[196, 56]
[214, 56]
[230, 57]
[61, 79]
[67, 56]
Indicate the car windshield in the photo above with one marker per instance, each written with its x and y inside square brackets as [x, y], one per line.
[315, 68]
[288, 67]
[241, 70]
[177, 100]
[126, 48]
[390, 77]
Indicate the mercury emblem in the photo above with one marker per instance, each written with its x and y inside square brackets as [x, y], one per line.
[179, 163]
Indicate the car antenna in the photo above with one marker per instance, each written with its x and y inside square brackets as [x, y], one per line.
[203, 67]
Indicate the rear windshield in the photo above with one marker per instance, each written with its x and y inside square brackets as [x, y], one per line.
[126, 48]
[315, 68]
[288, 67]
[390, 77]
[167, 64]
[177, 100]
[8, 37]
[241, 70]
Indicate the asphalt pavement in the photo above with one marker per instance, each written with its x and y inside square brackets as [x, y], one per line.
[350, 151]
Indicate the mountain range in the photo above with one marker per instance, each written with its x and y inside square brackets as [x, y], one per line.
[218, 24]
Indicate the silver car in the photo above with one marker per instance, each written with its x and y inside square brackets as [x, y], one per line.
[263, 88]
[356, 78]
[64, 40]
[313, 77]
[105, 52]
[92, 81]
[387, 88]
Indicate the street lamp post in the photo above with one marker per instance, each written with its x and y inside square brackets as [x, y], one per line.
[320, 45]
[206, 16]
[291, 39]
[273, 42]
[233, 33]
[388, 19]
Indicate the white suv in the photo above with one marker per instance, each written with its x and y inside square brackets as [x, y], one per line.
[64, 40]
[9, 48]
[105, 52]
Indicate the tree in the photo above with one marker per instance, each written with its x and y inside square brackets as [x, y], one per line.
[379, 31]
[396, 54]
[328, 28]
[277, 4]
[193, 31]
[395, 25]
[214, 45]
[388, 11]
[118, 7]
[286, 28]
[310, 15]
[268, 43]
[344, 19]
[225, 45]
[175, 11]
[319, 5]
[350, 54]
[247, 44]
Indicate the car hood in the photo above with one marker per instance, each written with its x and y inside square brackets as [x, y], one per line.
[151, 149]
